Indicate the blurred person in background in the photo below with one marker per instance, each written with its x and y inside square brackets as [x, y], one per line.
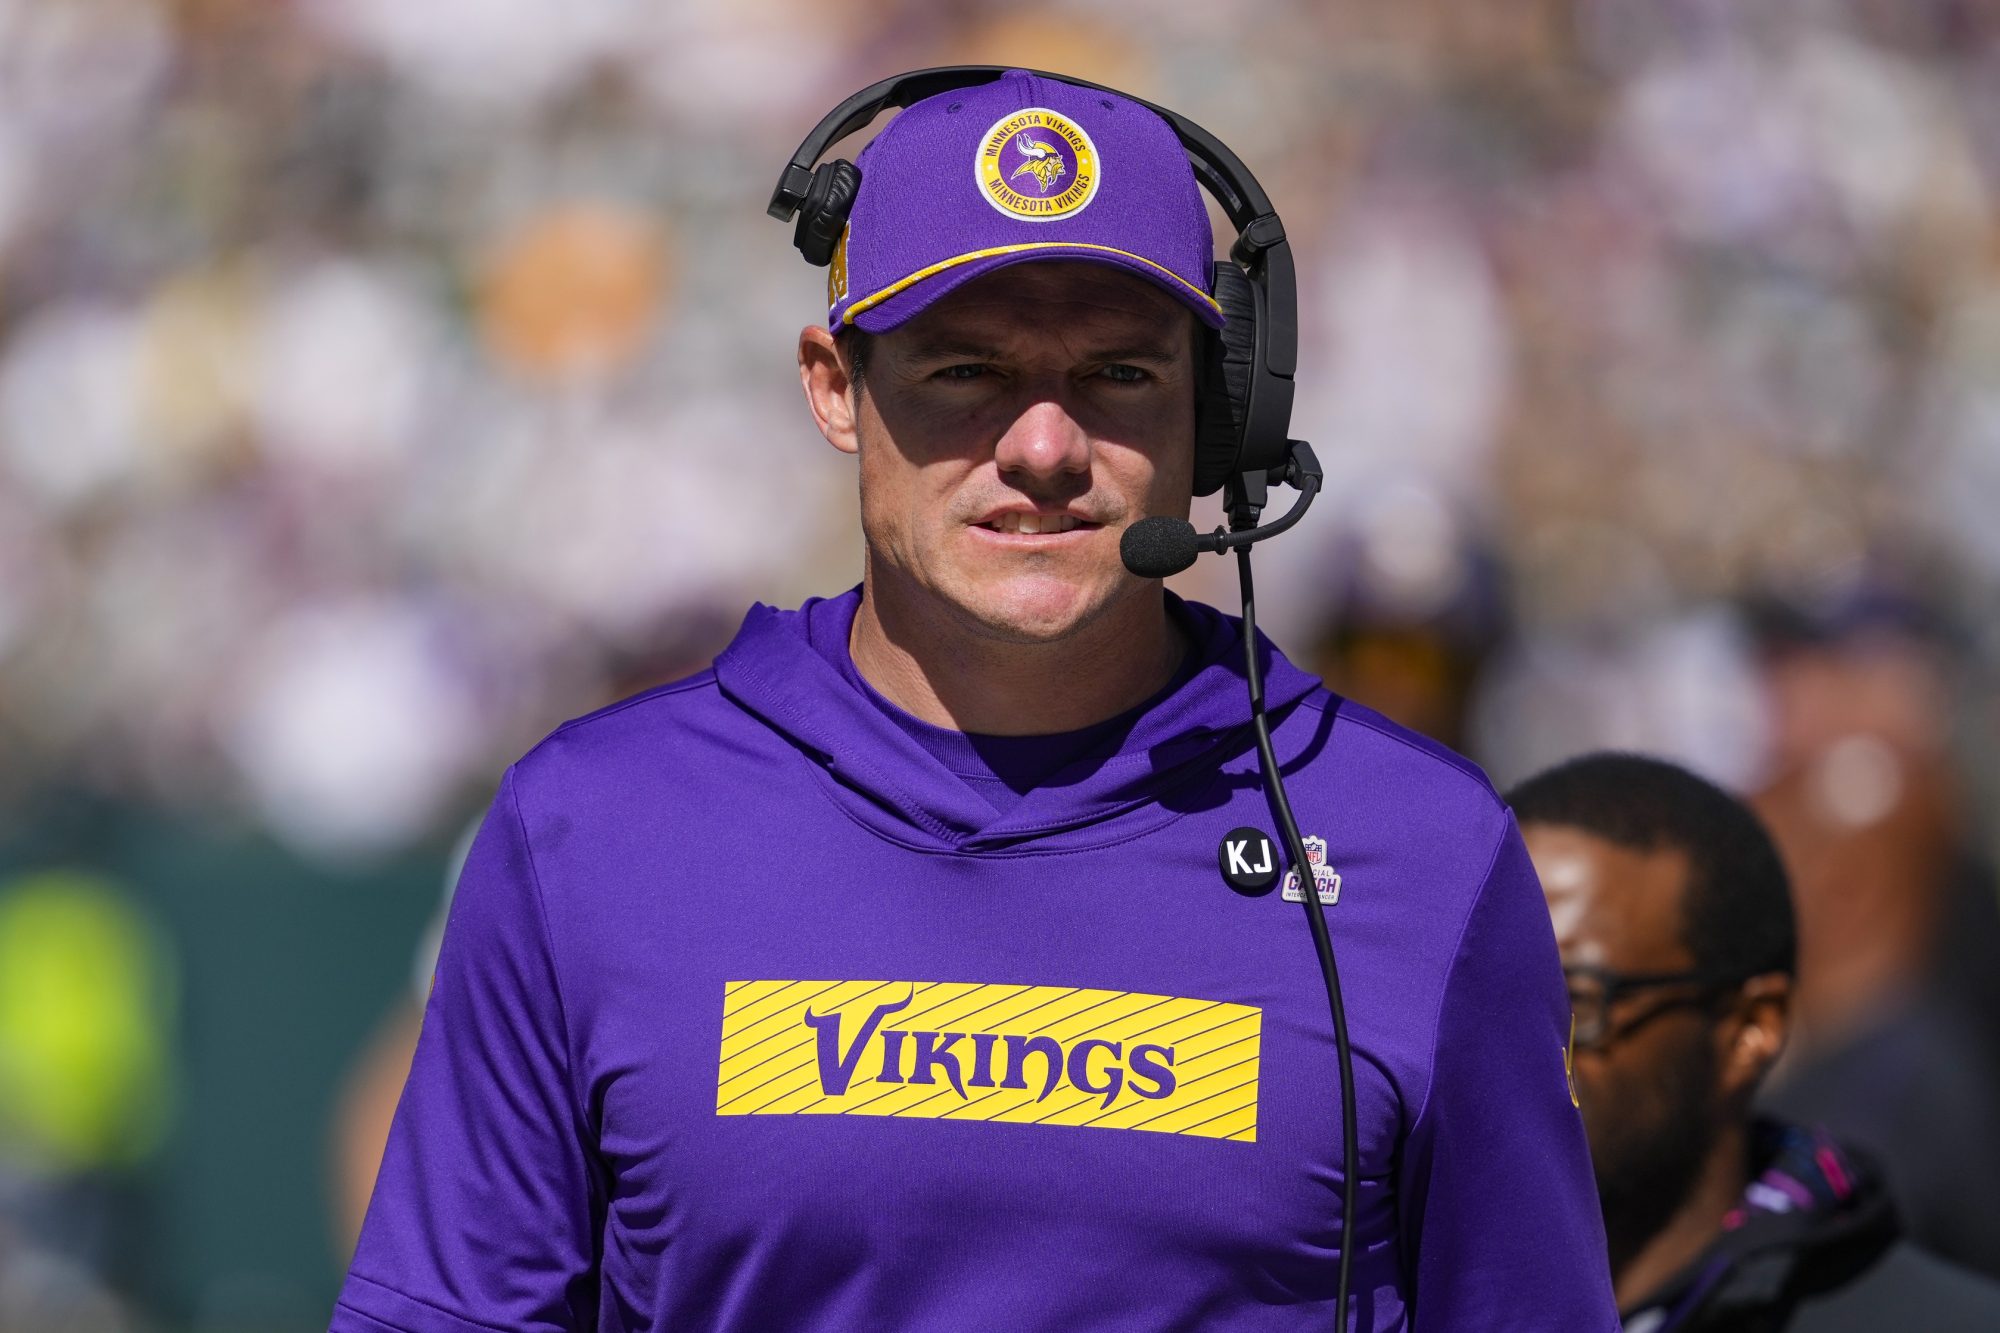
[1897, 1008]
[1416, 665]
[86, 1009]
[1675, 922]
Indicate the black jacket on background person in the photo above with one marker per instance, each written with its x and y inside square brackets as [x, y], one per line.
[1814, 1247]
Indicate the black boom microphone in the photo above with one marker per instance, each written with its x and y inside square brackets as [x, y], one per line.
[1155, 547]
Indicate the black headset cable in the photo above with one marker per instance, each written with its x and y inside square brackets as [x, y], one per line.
[1295, 849]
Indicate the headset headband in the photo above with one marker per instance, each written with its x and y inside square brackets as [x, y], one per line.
[1220, 170]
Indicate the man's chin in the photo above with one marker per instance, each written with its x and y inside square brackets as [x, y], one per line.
[1033, 609]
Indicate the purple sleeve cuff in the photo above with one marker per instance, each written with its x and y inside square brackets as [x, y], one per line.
[370, 1307]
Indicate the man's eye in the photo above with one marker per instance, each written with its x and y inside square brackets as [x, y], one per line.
[970, 370]
[1122, 374]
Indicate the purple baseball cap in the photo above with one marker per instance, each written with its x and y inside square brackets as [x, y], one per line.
[1019, 169]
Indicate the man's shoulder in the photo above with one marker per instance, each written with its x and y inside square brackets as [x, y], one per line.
[1353, 738]
[658, 725]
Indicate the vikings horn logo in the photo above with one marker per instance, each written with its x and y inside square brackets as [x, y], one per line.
[1044, 162]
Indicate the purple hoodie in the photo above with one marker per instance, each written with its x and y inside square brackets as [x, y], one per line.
[752, 1015]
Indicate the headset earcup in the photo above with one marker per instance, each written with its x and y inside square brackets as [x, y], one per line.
[1231, 356]
[824, 213]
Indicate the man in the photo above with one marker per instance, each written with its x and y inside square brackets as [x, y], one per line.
[883, 977]
[1675, 922]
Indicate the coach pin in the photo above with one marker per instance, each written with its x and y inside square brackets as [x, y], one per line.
[1325, 878]
[1249, 861]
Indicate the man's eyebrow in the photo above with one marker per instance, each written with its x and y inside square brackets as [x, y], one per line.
[947, 345]
[1160, 353]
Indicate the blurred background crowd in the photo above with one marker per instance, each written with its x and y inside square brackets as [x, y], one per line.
[382, 383]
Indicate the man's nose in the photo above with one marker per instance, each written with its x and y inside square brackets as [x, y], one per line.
[1044, 442]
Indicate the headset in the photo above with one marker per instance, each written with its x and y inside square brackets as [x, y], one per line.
[1242, 445]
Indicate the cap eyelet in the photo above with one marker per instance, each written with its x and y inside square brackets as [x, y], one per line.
[953, 108]
[1105, 102]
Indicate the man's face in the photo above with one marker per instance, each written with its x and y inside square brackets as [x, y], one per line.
[1649, 1090]
[1049, 396]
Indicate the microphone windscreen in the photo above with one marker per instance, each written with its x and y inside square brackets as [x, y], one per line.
[1155, 547]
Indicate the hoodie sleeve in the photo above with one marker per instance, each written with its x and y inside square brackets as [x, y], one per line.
[486, 1209]
[1501, 1226]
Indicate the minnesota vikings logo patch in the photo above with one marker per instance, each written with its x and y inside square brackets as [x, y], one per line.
[1037, 165]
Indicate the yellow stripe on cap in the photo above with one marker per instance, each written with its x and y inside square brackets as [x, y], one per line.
[904, 284]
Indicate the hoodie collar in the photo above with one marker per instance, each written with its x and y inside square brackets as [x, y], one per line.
[892, 783]
[1812, 1219]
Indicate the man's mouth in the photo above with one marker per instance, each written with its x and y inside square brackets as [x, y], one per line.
[1035, 524]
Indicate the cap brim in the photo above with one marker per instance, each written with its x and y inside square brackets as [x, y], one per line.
[905, 300]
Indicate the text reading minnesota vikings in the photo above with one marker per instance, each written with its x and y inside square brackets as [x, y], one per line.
[943, 1050]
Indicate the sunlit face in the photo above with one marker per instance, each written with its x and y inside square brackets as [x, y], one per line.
[1648, 1094]
[1010, 433]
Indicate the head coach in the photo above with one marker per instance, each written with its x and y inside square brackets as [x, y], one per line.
[932, 962]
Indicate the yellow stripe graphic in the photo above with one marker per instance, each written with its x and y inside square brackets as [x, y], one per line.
[1009, 1054]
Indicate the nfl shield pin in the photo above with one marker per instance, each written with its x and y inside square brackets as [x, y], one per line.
[1325, 878]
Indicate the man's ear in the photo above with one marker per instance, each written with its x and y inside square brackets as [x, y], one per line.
[1753, 1033]
[829, 390]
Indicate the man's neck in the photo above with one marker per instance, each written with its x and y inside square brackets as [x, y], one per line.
[944, 675]
[1693, 1227]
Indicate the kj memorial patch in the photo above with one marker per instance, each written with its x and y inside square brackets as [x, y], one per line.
[1037, 165]
[949, 1050]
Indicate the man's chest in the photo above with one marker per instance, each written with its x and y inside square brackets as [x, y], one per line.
[1089, 1059]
